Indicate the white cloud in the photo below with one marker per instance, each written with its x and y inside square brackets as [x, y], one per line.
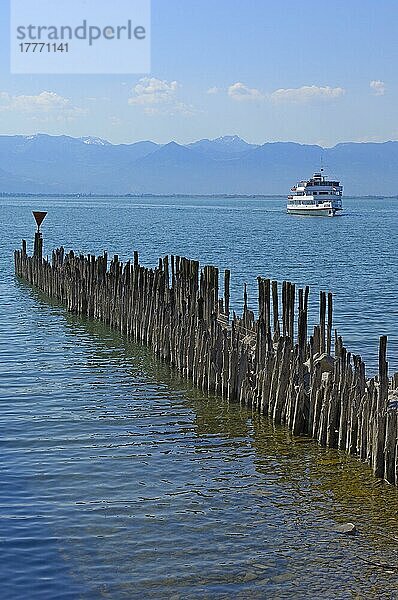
[47, 105]
[150, 90]
[378, 87]
[240, 92]
[213, 90]
[159, 97]
[306, 93]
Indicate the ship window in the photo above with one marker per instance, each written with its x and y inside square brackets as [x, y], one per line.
[315, 193]
[324, 193]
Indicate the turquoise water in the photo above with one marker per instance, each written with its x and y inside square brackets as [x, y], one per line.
[118, 480]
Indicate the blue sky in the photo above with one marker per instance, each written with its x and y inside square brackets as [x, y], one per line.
[309, 71]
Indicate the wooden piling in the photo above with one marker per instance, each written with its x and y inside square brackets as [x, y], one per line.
[259, 362]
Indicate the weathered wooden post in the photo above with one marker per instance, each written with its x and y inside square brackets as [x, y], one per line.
[379, 424]
[275, 309]
[322, 322]
[227, 278]
[330, 324]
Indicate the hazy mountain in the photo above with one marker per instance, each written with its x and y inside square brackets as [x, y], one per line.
[95, 140]
[10, 183]
[43, 163]
[69, 165]
[226, 146]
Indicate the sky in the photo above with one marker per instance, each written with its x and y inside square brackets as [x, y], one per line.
[309, 71]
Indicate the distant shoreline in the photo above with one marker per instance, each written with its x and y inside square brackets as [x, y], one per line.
[78, 195]
[88, 196]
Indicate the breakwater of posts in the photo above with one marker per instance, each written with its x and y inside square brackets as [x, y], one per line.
[306, 380]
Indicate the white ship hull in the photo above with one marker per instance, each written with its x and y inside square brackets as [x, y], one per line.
[313, 211]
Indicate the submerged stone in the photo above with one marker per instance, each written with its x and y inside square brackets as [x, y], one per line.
[346, 528]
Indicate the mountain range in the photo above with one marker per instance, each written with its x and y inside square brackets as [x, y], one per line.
[227, 165]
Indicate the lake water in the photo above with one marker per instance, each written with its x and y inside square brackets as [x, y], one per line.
[120, 481]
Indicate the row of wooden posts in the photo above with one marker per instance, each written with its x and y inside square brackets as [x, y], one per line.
[309, 382]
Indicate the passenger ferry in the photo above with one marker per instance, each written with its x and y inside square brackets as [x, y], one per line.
[316, 196]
